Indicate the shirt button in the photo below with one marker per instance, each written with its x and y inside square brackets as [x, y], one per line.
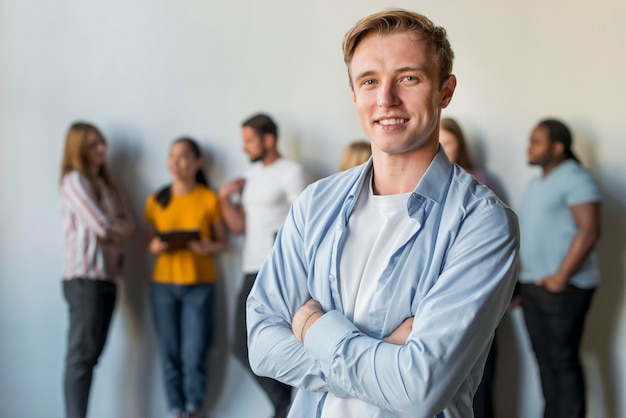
[331, 278]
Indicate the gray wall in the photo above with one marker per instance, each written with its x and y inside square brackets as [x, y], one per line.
[147, 71]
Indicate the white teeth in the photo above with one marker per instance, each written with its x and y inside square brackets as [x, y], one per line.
[389, 122]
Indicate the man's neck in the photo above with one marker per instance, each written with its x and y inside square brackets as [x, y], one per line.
[400, 173]
[271, 157]
[183, 187]
[548, 168]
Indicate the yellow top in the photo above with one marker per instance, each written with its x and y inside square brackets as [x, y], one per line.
[197, 210]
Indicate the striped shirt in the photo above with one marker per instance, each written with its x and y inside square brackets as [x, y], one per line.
[89, 253]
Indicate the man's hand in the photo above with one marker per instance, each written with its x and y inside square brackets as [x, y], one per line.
[401, 334]
[232, 187]
[304, 317]
[555, 283]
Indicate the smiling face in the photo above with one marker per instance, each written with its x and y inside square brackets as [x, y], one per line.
[395, 81]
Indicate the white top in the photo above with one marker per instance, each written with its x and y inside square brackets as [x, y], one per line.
[378, 225]
[89, 253]
[266, 199]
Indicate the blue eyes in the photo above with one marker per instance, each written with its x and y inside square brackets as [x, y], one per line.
[408, 78]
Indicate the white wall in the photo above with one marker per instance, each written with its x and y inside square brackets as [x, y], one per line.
[147, 71]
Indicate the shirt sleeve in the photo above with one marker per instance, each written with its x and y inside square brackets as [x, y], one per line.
[453, 326]
[148, 213]
[82, 201]
[273, 349]
[126, 212]
[581, 188]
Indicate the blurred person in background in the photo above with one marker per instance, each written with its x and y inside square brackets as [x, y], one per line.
[256, 205]
[355, 153]
[97, 220]
[560, 227]
[183, 280]
[453, 141]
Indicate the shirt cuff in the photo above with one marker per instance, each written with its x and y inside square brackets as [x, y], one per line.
[323, 337]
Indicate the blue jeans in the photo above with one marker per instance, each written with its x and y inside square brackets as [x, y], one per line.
[183, 318]
[90, 304]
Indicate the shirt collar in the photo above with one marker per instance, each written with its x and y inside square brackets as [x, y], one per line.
[437, 175]
[430, 186]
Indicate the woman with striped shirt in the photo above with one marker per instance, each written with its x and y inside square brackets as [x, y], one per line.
[96, 222]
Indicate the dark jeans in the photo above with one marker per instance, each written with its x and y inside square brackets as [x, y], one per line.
[183, 318]
[278, 392]
[555, 325]
[91, 304]
[483, 399]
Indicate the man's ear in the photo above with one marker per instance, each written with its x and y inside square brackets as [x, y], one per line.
[558, 149]
[447, 90]
[269, 140]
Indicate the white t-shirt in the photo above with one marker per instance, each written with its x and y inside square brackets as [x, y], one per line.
[266, 199]
[377, 226]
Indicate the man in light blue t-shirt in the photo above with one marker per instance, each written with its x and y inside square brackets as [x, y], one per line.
[559, 228]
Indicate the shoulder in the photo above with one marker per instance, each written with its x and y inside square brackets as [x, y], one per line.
[285, 164]
[75, 180]
[577, 183]
[73, 176]
[476, 200]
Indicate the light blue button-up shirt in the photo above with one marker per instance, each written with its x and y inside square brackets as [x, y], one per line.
[455, 274]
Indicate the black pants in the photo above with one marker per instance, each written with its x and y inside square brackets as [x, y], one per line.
[555, 325]
[91, 304]
[278, 392]
[483, 399]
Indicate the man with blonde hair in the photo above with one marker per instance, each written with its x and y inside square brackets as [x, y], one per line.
[386, 283]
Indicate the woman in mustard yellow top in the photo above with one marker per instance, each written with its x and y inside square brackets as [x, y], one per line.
[187, 231]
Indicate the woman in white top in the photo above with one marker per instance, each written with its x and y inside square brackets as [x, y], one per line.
[96, 222]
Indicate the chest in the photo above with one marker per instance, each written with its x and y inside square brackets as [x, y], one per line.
[183, 213]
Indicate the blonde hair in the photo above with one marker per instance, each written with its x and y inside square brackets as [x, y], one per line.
[75, 156]
[355, 153]
[392, 21]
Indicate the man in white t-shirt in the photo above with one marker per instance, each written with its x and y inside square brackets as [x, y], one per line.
[257, 205]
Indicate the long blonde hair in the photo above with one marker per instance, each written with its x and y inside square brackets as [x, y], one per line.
[75, 156]
[355, 153]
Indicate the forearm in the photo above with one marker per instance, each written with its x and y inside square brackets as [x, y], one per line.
[214, 247]
[234, 216]
[582, 245]
[275, 352]
[121, 230]
[422, 374]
